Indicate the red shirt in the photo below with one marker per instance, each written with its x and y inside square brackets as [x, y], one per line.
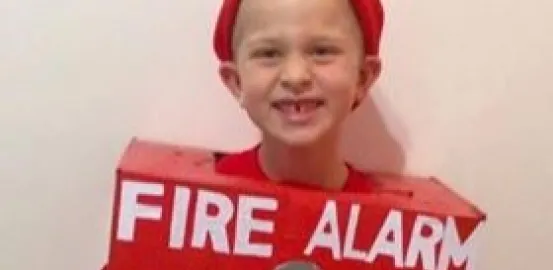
[246, 164]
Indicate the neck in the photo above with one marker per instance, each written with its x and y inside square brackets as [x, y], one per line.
[319, 165]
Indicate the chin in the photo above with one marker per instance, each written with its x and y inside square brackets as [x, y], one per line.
[300, 139]
[305, 136]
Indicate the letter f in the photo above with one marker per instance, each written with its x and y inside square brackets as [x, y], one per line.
[130, 210]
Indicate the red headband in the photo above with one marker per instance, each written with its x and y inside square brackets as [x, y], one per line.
[369, 13]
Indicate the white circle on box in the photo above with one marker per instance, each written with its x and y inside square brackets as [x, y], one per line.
[298, 265]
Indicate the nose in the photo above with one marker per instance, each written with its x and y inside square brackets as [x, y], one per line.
[296, 74]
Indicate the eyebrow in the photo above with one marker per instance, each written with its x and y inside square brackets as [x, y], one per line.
[328, 38]
[262, 40]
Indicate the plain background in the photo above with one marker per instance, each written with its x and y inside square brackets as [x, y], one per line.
[466, 95]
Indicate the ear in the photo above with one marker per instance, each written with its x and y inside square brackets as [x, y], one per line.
[369, 73]
[229, 75]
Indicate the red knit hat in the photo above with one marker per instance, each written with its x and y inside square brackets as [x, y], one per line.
[369, 14]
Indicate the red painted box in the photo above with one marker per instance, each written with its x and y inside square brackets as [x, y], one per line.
[173, 212]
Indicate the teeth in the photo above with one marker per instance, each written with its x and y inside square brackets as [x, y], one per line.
[288, 108]
[298, 107]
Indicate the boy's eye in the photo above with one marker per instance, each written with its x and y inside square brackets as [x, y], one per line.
[266, 53]
[324, 51]
[324, 54]
[321, 51]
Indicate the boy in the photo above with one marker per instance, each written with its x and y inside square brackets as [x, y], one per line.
[298, 68]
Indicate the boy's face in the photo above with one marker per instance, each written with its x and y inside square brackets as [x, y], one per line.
[299, 67]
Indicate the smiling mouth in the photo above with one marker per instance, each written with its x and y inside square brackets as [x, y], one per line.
[298, 106]
[298, 112]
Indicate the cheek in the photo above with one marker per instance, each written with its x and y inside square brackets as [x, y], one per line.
[256, 86]
[339, 84]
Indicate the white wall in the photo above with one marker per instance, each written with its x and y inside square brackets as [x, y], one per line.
[466, 95]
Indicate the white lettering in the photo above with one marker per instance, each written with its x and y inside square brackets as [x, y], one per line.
[246, 224]
[215, 225]
[130, 210]
[349, 251]
[455, 252]
[181, 204]
[424, 245]
[383, 246]
[320, 238]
